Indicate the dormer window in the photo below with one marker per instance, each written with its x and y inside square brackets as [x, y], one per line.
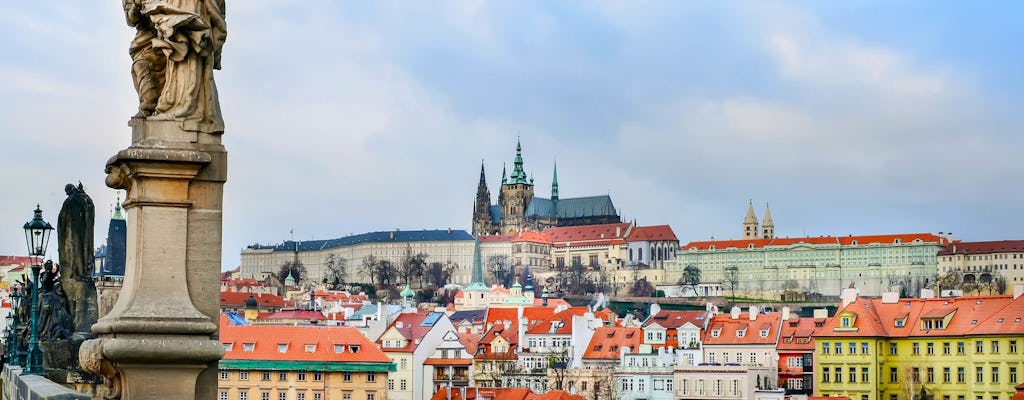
[248, 347]
[764, 333]
[355, 349]
[282, 347]
[741, 332]
[933, 323]
[845, 322]
[339, 348]
[716, 332]
[228, 346]
[310, 348]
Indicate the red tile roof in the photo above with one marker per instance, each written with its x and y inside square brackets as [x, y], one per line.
[794, 329]
[821, 240]
[995, 246]
[607, 342]
[470, 340]
[588, 235]
[23, 261]
[652, 233]
[495, 238]
[672, 319]
[971, 316]
[267, 338]
[410, 326]
[508, 333]
[237, 299]
[304, 315]
[728, 329]
[534, 237]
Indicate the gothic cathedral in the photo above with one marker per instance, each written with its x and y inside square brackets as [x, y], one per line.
[518, 209]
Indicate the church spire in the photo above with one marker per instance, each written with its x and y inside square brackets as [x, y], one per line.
[554, 183]
[767, 226]
[750, 230]
[477, 274]
[518, 175]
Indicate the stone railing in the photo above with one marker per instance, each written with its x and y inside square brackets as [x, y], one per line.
[18, 386]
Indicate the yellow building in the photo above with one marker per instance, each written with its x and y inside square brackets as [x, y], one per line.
[894, 349]
[269, 362]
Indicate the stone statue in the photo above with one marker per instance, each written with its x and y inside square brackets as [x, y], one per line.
[177, 46]
[75, 237]
[54, 320]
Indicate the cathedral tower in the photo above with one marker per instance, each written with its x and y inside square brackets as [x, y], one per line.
[515, 195]
[767, 226]
[482, 222]
[750, 230]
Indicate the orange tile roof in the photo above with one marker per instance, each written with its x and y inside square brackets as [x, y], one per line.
[509, 334]
[411, 329]
[672, 319]
[588, 234]
[652, 233]
[495, 238]
[796, 328]
[821, 240]
[305, 315]
[470, 340]
[728, 328]
[267, 338]
[607, 342]
[532, 236]
[995, 246]
[981, 315]
[473, 393]
[237, 299]
[552, 303]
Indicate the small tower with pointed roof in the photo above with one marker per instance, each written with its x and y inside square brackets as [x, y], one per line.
[515, 195]
[750, 230]
[482, 220]
[767, 226]
[554, 184]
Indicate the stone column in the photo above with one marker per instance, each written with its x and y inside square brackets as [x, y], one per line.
[159, 339]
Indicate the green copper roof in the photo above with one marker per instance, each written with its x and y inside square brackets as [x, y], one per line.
[518, 175]
[477, 277]
[407, 292]
[554, 184]
[117, 211]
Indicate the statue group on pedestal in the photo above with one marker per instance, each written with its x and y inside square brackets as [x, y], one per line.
[177, 46]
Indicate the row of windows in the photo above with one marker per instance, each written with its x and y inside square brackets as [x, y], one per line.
[300, 376]
[718, 387]
[836, 375]
[282, 395]
[402, 384]
[930, 347]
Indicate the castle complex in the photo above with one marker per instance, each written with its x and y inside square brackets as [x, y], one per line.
[518, 209]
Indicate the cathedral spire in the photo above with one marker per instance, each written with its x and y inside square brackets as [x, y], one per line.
[750, 230]
[554, 183]
[767, 226]
[483, 179]
[503, 176]
[477, 276]
[518, 175]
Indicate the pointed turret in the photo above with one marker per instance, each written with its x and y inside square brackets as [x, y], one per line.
[477, 274]
[504, 178]
[767, 226]
[518, 174]
[482, 206]
[750, 230]
[554, 184]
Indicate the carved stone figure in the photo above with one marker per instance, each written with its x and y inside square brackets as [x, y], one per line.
[75, 237]
[54, 320]
[177, 46]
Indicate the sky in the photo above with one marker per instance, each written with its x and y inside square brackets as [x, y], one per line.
[344, 117]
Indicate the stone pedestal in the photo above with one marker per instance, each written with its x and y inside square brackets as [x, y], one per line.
[159, 339]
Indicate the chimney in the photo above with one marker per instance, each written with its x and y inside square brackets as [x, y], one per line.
[890, 298]
[820, 313]
[618, 231]
[785, 313]
[734, 313]
[849, 296]
[753, 313]
[1018, 290]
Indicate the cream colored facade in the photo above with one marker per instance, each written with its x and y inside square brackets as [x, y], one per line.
[984, 261]
[302, 385]
[452, 247]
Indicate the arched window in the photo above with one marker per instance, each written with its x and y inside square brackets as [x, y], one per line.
[640, 254]
[631, 254]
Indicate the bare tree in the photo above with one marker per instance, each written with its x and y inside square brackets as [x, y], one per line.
[334, 270]
[691, 277]
[642, 288]
[440, 274]
[293, 269]
[412, 266]
[369, 268]
[387, 273]
[731, 279]
[949, 280]
[500, 268]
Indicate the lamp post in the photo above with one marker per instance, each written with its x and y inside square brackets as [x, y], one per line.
[13, 353]
[37, 236]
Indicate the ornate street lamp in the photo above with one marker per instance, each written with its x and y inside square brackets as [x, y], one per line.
[13, 353]
[37, 236]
